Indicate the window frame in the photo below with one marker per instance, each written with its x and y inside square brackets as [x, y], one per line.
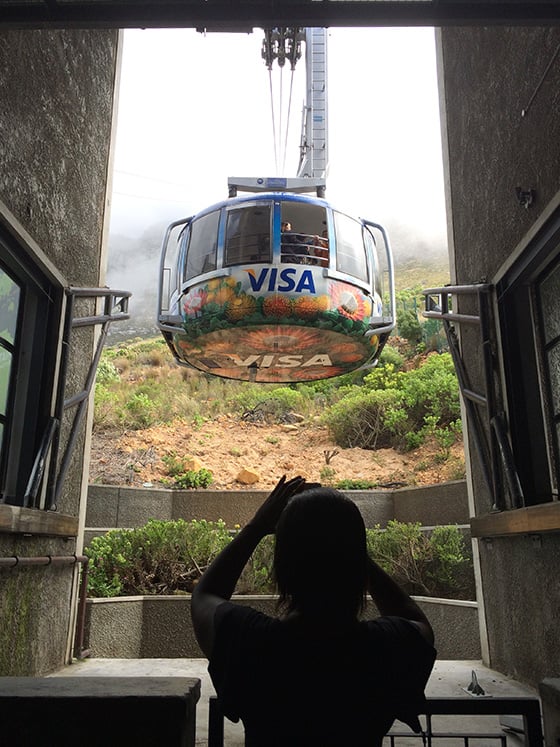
[190, 273]
[35, 378]
[259, 256]
[535, 446]
[362, 261]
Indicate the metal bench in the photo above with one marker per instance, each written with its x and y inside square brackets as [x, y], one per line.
[528, 708]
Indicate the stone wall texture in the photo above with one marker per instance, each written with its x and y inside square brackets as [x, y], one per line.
[500, 97]
[57, 90]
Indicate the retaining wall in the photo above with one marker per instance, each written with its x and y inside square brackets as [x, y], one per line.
[111, 506]
[160, 626]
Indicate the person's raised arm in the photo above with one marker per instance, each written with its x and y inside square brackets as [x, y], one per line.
[392, 600]
[218, 582]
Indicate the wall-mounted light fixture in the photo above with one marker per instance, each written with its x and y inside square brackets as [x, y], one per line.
[526, 197]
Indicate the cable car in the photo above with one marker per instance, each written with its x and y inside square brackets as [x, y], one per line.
[275, 287]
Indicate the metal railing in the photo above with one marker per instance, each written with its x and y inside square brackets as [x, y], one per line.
[492, 443]
[528, 708]
[18, 561]
[114, 308]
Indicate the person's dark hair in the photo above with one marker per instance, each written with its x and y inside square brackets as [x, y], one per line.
[320, 556]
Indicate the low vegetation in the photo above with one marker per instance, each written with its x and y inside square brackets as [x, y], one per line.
[408, 398]
[168, 557]
[399, 409]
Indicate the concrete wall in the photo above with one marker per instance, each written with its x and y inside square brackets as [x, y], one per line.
[112, 506]
[56, 116]
[160, 627]
[433, 505]
[489, 76]
[522, 597]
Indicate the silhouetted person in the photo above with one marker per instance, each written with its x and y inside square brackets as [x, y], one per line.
[316, 676]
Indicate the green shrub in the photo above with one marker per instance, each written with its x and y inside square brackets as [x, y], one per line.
[327, 475]
[183, 477]
[139, 411]
[401, 550]
[257, 576]
[174, 464]
[432, 389]
[163, 557]
[431, 564]
[107, 372]
[104, 407]
[167, 557]
[382, 377]
[399, 409]
[408, 326]
[355, 485]
[364, 418]
[200, 478]
[390, 355]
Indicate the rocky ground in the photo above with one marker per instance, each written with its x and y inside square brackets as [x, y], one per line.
[227, 446]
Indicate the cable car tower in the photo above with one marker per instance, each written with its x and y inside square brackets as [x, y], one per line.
[276, 285]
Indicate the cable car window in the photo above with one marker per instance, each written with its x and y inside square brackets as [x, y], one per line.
[304, 235]
[248, 235]
[350, 249]
[371, 250]
[203, 245]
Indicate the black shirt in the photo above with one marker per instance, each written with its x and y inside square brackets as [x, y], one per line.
[297, 686]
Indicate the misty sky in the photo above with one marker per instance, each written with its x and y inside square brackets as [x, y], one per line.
[195, 109]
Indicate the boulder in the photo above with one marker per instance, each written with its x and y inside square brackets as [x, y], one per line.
[192, 464]
[248, 476]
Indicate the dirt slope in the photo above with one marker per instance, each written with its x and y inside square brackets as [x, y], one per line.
[226, 446]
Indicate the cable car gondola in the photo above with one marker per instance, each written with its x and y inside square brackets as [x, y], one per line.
[277, 285]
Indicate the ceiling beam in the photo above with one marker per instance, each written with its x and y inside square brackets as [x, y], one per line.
[243, 15]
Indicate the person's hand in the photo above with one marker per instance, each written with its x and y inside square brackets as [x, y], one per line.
[267, 516]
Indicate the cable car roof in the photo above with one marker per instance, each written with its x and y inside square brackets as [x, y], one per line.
[262, 197]
[244, 15]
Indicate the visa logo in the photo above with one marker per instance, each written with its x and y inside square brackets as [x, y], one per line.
[287, 361]
[288, 279]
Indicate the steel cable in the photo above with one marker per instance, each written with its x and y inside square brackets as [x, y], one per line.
[273, 119]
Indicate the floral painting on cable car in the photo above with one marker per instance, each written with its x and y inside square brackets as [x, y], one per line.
[277, 325]
[286, 297]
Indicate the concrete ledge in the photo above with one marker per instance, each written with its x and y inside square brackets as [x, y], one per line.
[160, 626]
[89, 711]
[109, 506]
[456, 627]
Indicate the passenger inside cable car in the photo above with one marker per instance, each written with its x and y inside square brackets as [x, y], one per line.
[304, 245]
